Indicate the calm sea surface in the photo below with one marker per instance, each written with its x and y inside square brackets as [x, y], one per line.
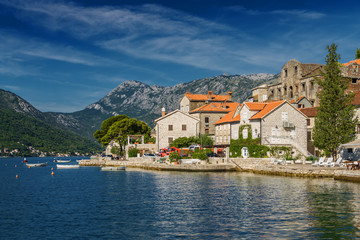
[88, 203]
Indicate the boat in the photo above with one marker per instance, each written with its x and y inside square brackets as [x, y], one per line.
[30, 165]
[25, 160]
[67, 166]
[113, 168]
[63, 161]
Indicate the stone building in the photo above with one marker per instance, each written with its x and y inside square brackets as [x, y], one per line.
[210, 113]
[174, 125]
[298, 79]
[311, 114]
[227, 128]
[276, 123]
[190, 101]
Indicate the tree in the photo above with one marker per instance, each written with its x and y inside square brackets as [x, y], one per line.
[357, 54]
[119, 128]
[335, 121]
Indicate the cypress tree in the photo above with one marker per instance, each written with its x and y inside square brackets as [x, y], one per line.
[357, 54]
[335, 121]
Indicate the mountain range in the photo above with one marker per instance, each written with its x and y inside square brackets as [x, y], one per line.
[137, 100]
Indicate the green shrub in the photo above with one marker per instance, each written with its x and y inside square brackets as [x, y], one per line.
[174, 157]
[133, 152]
[255, 150]
[311, 158]
[200, 155]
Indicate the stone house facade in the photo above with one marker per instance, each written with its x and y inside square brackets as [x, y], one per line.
[174, 125]
[227, 128]
[277, 123]
[189, 101]
[311, 114]
[298, 79]
[210, 113]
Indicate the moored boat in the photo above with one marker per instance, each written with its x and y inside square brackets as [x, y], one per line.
[113, 168]
[63, 161]
[67, 166]
[29, 165]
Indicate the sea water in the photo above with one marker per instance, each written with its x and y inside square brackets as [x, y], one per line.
[87, 203]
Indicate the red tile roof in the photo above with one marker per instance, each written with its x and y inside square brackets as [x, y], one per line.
[353, 61]
[217, 107]
[255, 106]
[229, 118]
[267, 109]
[309, 112]
[206, 97]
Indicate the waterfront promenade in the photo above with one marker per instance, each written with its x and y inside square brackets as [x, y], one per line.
[252, 165]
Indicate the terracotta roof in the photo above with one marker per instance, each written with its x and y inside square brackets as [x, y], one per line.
[255, 106]
[353, 61]
[217, 107]
[229, 118]
[267, 109]
[206, 97]
[309, 112]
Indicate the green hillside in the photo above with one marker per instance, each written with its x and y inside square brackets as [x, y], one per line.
[31, 136]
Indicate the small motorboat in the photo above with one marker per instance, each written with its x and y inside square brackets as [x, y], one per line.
[25, 160]
[63, 161]
[67, 166]
[113, 168]
[30, 165]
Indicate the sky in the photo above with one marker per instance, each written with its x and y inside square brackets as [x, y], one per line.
[64, 55]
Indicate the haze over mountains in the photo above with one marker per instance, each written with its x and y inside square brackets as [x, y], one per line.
[137, 100]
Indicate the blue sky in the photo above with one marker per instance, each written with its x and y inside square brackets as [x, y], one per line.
[64, 55]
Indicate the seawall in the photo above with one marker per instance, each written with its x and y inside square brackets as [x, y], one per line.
[252, 165]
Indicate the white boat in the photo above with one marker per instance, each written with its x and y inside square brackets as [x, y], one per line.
[67, 166]
[30, 165]
[63, 161]
[113, 168]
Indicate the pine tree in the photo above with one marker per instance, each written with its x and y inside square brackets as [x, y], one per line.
[335, 121]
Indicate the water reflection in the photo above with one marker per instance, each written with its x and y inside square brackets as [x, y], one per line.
[91, 204]
[333, 209]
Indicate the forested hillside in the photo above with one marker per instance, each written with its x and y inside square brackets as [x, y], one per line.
[31, 137]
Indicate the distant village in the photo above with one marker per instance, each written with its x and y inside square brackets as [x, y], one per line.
[280, 114]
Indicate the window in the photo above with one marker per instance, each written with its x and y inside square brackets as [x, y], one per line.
[207, 131]
[354, 80]
[225, 139]
[286, 73]
[187, 109]
[245, 133]
[284, 116]
[170, 127]
[170, 140]
[220, 139]
[206, 119]
[303, 86]
[296, 70]
[309, 136]
[350, 150]
[183, 127]
[308, 122]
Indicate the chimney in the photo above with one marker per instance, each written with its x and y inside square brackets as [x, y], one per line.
[209, 95]
[163, 112]
[229, 96]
